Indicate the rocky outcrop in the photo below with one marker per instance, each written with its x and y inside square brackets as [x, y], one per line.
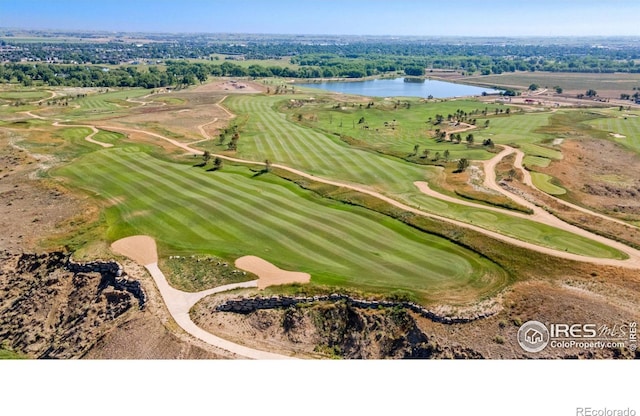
[335, 329]
[113, 275]
[248, 305]
[48, 311]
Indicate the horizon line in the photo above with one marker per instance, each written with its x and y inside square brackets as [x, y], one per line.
[520, 36]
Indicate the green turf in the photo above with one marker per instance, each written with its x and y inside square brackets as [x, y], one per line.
[542, 162]
[517, 128]
[269, 135]
[10, 355]
[24, 95]
[627, 124]
[110, 137]
[541, 151]
[97, 105]
[394, 127]
[544, 183]
[229, 213]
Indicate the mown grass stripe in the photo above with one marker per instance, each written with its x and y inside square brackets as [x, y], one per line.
[264, 229]
[304, 227]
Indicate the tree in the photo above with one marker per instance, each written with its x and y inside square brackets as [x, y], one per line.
[425, 154]
[533, 87]
[446, 154]
[470, 138]
[233, 144]
[486, 123]
[267, 165]
[591, 93]
[558, 89]
[462, 165]
[206, 156]
[217, 163]
[415, 150]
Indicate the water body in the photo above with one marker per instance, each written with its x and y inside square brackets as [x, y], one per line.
[402, 87]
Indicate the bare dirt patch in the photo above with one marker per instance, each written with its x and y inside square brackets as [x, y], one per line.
[31, 208]
[231, 86]
[140, 248]
[597, 174]
[269, 274]
[547, 302]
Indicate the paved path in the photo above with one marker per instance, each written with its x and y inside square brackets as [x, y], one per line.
[179, 304]
[632, 262]
[143, 250]
[528, 181]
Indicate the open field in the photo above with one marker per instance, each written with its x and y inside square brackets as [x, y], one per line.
[607, 85]
[25, 95]
[394, 126]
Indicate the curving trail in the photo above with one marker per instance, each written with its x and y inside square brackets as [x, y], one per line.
[30, 114]
[490, 181]
[203, 132]
[425, 189]
[89, 138]
[632, 262]
[528, 181]
[179, 303]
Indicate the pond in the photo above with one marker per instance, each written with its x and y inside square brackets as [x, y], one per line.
[401, 87]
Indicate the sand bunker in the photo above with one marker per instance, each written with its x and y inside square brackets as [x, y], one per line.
[269, 274]
[618, 136]
[139, 248]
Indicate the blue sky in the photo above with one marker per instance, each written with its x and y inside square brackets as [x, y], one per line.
[352, 17]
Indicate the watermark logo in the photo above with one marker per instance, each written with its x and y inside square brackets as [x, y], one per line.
[533, 336]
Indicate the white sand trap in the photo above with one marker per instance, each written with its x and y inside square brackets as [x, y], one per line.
[557, 142]
[618, 136]
[269, 274]
[139, 248]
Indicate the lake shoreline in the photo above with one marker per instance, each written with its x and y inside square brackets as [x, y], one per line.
[395, 86]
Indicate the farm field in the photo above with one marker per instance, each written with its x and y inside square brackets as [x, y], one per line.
[607, 85]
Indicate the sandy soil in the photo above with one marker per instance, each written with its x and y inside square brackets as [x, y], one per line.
[236, 87]
[31, 209]
[269, 274]
[140, 248]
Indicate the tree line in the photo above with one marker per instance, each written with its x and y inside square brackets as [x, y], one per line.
[338, 59]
